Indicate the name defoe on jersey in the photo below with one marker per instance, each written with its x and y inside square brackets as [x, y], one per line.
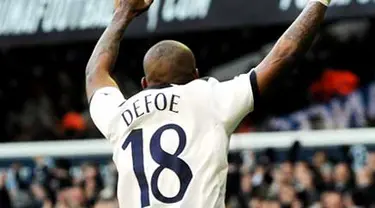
[160, 102]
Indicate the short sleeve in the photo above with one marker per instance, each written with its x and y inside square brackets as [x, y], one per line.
[104, 107]
[235, 98]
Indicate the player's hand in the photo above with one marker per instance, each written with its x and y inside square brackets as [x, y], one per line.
[135, 7]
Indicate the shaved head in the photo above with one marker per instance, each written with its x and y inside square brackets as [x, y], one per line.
[169, 62]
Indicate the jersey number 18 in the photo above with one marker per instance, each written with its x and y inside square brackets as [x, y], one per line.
[164, 159]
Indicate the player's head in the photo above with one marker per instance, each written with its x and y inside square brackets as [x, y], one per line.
[169, 62]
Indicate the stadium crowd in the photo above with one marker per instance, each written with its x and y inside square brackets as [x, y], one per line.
[255, 180]
[44, 99]
[51, 79]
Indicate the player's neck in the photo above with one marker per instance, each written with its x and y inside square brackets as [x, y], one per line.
[158, 86]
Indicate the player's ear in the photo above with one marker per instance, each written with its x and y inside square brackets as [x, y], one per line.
[144, 83]
[196, 74]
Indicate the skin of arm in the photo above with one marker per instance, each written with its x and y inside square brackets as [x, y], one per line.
[106, 50]
[292, 44]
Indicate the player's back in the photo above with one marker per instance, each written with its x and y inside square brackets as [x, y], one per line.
[170, 143]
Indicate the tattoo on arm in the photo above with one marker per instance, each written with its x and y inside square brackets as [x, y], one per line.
[105, 54]
[292, 44]
[306, 26]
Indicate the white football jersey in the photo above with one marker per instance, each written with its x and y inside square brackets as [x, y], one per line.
[170, 143]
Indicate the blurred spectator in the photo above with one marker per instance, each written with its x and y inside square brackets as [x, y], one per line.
[332, 199]
[255, 202]
[37, 117]
[306, 184]
[334, 83]
[371, 161]
[92, 182]
[18, 185]
[41, 196]
[287, 196]
[287, 172]
[4, 195]
[271, 204]
[73, 125]
[342, 178]
[109, 203]
[42, 174]
[321, 164]
[364, 193]
[76, 197]
[61, 178]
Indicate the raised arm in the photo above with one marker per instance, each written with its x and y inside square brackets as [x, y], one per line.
[105, 53]
[292, 44]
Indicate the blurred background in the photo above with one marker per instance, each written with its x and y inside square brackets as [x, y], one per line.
[51, 154]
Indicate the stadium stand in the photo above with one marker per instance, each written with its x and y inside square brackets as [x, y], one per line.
[51, 154]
